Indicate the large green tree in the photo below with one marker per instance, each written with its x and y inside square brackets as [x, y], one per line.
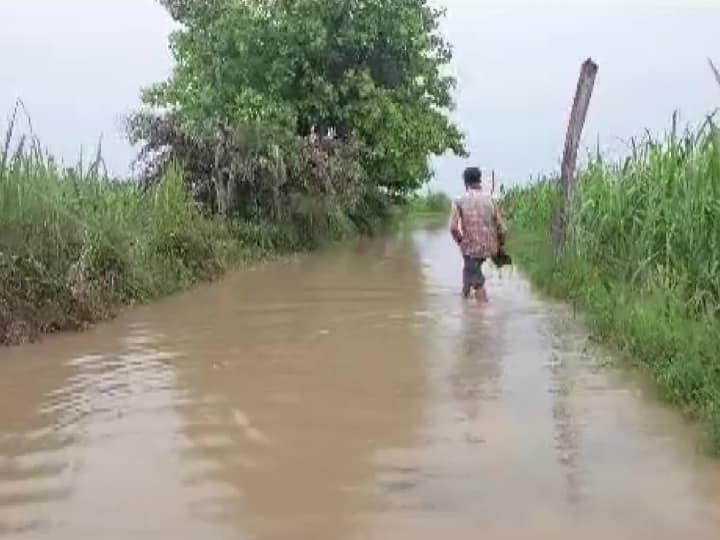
[371, 69]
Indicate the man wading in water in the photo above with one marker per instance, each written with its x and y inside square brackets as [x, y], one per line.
[478, 228]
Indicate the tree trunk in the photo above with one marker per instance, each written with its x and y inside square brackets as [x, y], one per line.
[568, 177]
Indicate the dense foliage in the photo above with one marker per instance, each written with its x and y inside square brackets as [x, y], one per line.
[643, 258]
[369, 72]
[316, 186]
[74, 245]
[300, 121]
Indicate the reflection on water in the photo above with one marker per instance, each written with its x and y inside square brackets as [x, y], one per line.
[85, 429]
[313, 365]
[35, 469]
[565, 357]
[345, 395]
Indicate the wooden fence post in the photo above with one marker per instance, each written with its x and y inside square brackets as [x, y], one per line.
[568, 176]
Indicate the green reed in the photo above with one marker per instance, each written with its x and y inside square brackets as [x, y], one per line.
[643, 258]
[75, 244]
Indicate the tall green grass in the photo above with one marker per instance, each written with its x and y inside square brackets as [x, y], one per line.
[75, 244]
[429, 203]
[643, 259]
[423, 208]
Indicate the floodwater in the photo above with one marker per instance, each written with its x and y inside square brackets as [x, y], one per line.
[344, 395]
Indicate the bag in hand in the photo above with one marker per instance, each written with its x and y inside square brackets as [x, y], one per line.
[502, 258]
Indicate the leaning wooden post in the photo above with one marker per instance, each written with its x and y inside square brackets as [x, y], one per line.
[568, 176]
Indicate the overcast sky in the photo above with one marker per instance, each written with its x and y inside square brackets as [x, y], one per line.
[79, 64]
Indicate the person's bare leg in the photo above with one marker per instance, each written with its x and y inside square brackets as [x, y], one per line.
[481, 295]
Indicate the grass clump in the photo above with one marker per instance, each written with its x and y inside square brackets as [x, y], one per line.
[429, 203]
[75, 244]
[642, 260]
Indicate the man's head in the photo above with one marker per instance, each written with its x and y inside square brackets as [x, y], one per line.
[472, 177]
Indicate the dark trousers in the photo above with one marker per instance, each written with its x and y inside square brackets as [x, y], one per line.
[473, 277]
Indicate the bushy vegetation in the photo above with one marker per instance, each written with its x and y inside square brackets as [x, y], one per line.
[258, 83]
[314, 186]
[429, 203]
[74, 245]
[643, 259]
[284, 125]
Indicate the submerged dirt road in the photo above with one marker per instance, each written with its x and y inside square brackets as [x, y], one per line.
[348, 395]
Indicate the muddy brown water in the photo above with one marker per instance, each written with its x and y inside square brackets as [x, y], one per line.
[344, 395]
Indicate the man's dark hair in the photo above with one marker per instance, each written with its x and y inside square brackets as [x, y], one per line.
[472, 176]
